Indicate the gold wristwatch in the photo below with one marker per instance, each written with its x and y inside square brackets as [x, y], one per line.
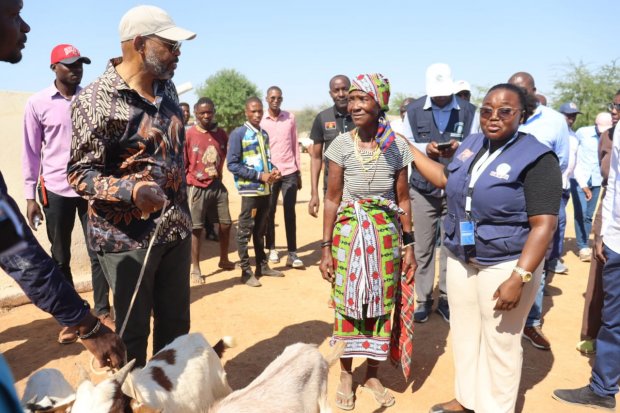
[526, 275]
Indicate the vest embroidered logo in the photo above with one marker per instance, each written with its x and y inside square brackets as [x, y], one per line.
[501, 172]
[330, 125]
[466, 154]
[458, 130]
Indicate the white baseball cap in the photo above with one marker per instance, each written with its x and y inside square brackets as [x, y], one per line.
[461, 85]
[439, 80]
[603, 121]
[146, 20]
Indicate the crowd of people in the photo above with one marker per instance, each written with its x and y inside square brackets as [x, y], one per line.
[484, 187]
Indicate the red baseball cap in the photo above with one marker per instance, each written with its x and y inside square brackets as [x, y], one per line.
[66, 53]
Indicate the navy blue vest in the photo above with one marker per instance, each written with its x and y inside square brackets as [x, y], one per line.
[425, 130]
[498, 200]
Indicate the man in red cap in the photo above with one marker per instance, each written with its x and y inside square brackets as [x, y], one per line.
[47, 145]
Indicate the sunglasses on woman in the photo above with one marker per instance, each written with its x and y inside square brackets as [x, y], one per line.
[503, 113]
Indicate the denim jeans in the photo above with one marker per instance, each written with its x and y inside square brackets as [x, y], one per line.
[557, 244]
[288, 186]
[606, 370]
[59, 221]
[584, 211]
[535, 314]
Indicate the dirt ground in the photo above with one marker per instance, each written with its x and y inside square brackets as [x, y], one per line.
[294, 308]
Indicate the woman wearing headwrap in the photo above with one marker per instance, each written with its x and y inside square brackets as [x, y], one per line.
[366, 221]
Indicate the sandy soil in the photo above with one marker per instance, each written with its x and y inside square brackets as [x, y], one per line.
[292, 309]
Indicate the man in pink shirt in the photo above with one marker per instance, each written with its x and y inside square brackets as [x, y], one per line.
[282, 130]
[47, 145]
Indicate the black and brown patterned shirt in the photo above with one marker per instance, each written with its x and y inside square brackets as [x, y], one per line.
[119, 138]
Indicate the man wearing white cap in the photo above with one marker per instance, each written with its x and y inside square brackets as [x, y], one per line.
[127, 159]
[462, 89]
[435, 123]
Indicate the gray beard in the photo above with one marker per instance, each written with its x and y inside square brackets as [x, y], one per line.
[156, 67]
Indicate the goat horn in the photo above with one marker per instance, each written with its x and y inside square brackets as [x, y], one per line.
[121, 375]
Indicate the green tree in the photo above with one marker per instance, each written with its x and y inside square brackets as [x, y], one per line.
[395, 101]
[305, 117]
[229, 90]
[590, 89]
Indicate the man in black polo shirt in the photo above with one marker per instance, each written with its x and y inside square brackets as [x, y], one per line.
[327, 125]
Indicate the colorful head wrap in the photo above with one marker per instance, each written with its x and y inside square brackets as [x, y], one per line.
[376, 85]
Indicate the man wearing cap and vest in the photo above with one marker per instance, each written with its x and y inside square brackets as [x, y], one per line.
[435, 123]
[47, 143]
[127, 159]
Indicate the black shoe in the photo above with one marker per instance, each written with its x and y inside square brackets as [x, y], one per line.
[420, 315]
[585, 397]
[248, 278]
[212, 236]
[438, 408]
[265, 271]
[444, 309]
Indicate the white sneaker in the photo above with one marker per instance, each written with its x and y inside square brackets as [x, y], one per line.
[273, 256]
[294, 261]
[585, 254]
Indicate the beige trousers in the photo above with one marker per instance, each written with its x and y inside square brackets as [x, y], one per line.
[486, 343]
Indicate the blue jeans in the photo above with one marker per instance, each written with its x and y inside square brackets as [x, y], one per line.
[557, 245]
[606, 370]
[584, 211]
[533, 318]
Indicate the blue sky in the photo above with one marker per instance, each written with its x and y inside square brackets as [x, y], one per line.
[299, 45]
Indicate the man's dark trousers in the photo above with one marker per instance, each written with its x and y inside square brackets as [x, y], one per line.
[252, 224]
[164, 291]
[60, 219]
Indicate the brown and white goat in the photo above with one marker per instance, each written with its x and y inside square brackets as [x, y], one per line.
[294, 382]
[185, 376]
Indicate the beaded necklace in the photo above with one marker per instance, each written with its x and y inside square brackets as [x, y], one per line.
[374, 157]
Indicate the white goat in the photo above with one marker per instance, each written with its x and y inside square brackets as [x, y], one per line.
[294, 382]
[46, 390]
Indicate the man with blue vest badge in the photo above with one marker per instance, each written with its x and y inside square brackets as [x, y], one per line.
[436, 124]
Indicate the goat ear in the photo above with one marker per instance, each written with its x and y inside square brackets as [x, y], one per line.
[121, 375]
[224, 343]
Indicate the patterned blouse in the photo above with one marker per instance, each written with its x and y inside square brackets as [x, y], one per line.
[119, 138]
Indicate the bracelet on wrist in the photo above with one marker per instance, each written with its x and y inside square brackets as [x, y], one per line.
[408, 239]
[326, 244]
[91, 333]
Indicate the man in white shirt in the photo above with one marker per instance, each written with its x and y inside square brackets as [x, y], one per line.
[549, 127]
[601, 391]
[586, 182]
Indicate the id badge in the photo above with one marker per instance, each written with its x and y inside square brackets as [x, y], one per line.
[467, 232]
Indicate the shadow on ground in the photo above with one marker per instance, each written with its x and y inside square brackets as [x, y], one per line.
[39, 337]
[247, 365]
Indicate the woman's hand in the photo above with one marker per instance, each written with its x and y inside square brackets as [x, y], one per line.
[508, 294]
[409, 264]
[326, 266]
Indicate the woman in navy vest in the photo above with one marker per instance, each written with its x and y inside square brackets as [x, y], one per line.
[503, 191]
